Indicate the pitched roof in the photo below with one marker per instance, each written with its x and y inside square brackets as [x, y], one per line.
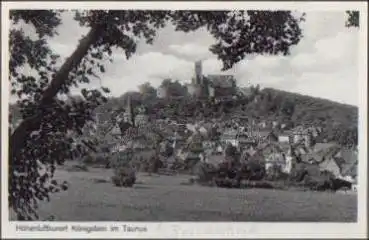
[116, 130]
[329, 165]
[230, 133]
[325, 147]
[257, 156]
[347, 161]
[350, 156]
[306, 158]
[191, 155]
[215, 159]
[270, 146]
[350, 170]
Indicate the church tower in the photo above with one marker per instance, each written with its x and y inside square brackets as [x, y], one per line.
[128, 113]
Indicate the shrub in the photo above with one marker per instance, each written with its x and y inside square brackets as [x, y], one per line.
[252, 170]
[204, 172]
[124, 172]
[78, 168]
[124, 177]
[100, 159]
[88, 159]
[275, 174]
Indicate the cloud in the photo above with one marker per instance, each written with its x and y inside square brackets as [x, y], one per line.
[125, 75]
[191, 50]
[341, 86]
[323, 64]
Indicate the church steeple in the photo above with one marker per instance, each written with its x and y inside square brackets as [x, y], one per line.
[128, 113]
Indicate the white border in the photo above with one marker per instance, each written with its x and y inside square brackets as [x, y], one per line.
[208, 230]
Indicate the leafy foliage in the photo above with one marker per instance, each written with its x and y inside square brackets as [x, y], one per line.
[124, 173]
[353, 19]
[239, 33]
[46, 136]
[174, 88]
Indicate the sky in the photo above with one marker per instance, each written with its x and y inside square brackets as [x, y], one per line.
[324, 64]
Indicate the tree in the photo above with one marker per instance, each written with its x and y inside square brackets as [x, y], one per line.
[231, 152]
[353, 19]
[288, 107]
[174, 88]
[43, 137]
[147, 90]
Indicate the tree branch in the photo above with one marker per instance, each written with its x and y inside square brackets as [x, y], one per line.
[21, 133]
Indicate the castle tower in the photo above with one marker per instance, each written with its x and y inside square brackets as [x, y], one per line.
[198, 72]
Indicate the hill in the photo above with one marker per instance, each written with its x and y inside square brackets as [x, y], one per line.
[305, 109]
[339, 121]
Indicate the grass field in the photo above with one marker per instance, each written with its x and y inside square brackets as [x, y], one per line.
[92, 197]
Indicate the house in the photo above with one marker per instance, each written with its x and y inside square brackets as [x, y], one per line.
[191, 127]
[354, 187]
[326, 147]
[247, 153]
[180, 153]
[115, 130]
[275, 159]
[269, 148]
[219, 149]
[263, 124]
[222, 85]
[257, 156]
[208, 144]
[215, 159]
[275, 124]
[203, 131]
[297, 134]
[347, 159]
[247, 144]
[162, 92]
[290, 162]
[119, 148]
[318, 153]
[141, 119]
[311, 158]
[230, 136]
[283, 139]
[191, 157]
[331, 165]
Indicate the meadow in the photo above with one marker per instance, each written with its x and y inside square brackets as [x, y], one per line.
[92, 197]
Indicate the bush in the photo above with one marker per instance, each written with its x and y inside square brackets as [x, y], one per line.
[88, 159]
[204, 172]
[124, 172]
[227, 182]
[97, 159]
[252, 170]
[275, 174]
[78, 168]
[124, 177]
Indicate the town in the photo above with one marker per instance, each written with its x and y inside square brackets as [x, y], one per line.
[229, 115]
[242, 148]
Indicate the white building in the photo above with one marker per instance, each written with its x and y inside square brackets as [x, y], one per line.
[283, 139]
[275, 159]
[230, 137]
[289, 162]
[162, 92]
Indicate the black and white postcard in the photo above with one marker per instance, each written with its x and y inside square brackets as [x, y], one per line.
[184, 119]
